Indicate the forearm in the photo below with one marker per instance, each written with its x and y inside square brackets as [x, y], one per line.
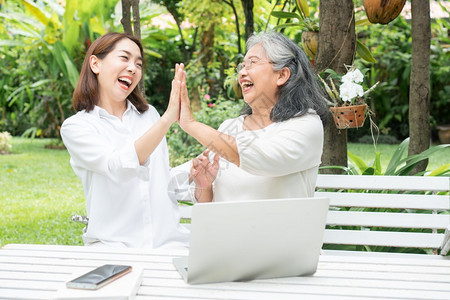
[218, 142]
[148, 142]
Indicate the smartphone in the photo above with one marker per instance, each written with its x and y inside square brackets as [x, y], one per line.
[99, 277]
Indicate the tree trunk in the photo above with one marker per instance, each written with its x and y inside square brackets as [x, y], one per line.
[126, 17]
[127, 6]
[136, 18]
[337, 46]
[419, 91]
[248, 12]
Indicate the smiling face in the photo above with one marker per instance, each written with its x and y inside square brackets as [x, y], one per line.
[259, 83]
[118, 73]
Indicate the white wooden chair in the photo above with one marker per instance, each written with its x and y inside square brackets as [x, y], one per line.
[387, 211]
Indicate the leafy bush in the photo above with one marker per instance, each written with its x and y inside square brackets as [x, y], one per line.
[41, 45]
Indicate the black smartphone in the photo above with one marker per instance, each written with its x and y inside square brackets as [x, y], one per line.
[99, 277]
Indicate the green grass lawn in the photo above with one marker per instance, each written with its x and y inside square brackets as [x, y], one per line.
[39, 191]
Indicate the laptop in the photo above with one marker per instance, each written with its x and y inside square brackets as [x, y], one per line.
[246, 240]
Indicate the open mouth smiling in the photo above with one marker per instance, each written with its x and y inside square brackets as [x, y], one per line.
[125, 82]
[246, 85]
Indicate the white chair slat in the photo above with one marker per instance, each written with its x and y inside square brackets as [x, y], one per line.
[401, 183]
[384, 219]
[185, 211]
[377, 200]
[383, 238]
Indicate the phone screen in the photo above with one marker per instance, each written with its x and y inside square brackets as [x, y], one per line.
[99, 277]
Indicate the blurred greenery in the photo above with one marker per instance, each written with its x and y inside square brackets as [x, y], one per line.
[43, 42]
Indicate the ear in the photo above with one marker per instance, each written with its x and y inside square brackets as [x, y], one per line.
[94, 64]
[283, 76]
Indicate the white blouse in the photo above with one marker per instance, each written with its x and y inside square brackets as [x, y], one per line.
[278, 161]
[127, 204]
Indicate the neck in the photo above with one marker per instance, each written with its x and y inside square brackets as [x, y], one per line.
[262, 112]
[260, 117]
[257, 120]
[116, 108]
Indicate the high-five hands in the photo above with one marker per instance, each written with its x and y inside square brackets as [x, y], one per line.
[172, 112]
[186, 116]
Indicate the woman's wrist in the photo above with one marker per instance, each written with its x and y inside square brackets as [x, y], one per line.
[189, 126]
[203, 194]
[166, 120]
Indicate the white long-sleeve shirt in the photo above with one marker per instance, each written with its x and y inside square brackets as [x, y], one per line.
[127, 203]
[278, 161]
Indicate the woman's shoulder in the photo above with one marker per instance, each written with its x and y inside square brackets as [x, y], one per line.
[78, 117]
[232, 124]
[310, 116]
[150, 112]
[307, 122]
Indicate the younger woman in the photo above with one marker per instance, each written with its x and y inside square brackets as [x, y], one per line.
[118, 149]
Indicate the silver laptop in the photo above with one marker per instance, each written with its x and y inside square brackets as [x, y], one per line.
[245, 240]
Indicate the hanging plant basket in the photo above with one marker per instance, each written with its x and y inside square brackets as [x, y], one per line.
[352, 116]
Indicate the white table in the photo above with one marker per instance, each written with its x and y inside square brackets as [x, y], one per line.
[35, 271]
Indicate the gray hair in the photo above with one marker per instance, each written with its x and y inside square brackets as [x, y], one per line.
[301, 91]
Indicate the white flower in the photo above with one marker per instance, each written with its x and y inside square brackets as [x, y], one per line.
[353, 76]
[349, 90]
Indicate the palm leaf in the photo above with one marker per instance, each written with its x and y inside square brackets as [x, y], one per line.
[412, 160]
[396, 157]
[360, 164]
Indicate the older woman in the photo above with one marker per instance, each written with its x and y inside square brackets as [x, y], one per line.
[273, 150]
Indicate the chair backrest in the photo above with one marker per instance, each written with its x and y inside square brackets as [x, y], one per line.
[369, 212]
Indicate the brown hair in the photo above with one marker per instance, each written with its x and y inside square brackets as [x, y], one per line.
[86, 95]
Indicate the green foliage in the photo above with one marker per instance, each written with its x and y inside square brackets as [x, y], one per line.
[306, 19]
[162, 51]
[399, 164]
[391, 47]
[41, 44]
[182, 147]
